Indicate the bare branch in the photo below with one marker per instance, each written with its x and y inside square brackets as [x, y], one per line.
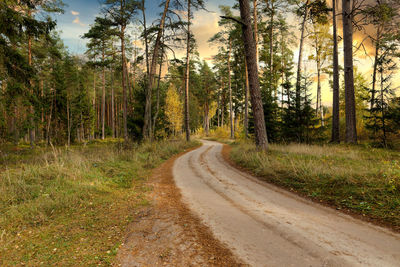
[234, 19]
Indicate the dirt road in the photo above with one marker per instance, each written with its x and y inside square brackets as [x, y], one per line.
[266, 226]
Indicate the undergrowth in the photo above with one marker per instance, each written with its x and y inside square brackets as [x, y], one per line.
[70, 206]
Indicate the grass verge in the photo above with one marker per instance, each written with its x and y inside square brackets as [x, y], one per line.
[365, 181]
[70, 207]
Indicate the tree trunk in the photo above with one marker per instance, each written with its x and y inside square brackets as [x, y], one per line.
[187, 128]
[206, 122]
[271, 48]
[15, 119]
[147, 115]
[50, 116]
[383, 111]
[68, 124]
[300, 59]
[222, 102]
[158, 92]
[42, 111]
[148, 87]
[230, 90]
[103, 98]
[246, 102]
[283, 69]
[375, 68]
[255, 94]
[335, 119]
[31, 108]
[124, 96]
[255, 29]
[94, 105]
[112, 104]
[350, 108]
[319, 91]
[218, 110]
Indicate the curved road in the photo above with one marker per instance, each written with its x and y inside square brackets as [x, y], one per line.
[267, 226]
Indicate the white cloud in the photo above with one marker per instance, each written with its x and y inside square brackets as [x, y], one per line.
[78, 21]
[75, 13]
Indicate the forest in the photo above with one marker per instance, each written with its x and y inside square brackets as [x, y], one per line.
[303, 91]
[132, 86]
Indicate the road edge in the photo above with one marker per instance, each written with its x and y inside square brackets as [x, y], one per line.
[226, 152]
[165, 196]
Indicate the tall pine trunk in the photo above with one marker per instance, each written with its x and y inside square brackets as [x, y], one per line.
[271, 47]
[375, 68]
[148, 85]
[246, 101]
[187, 127]
[255, 19]
[103, 97]
[147, 116]
[350, 106]
[68, 123]
[230, 90]
[31, 108]
[255, 94]
[300, 59]
[124, 96]
[335, 116]
[112, 103]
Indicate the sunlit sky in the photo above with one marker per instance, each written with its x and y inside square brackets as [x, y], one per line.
[79, 15]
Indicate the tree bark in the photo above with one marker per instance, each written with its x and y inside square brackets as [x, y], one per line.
[255, 94]
[299, 62]
[271, 47]
[230, 90]
[124, 96]
[158, 86]
[147, 116]
[335, 102]
[375, 68]
[206, 119]
[246, 102]
[68, 123]
[103, 97]
[222, 101]
[255, 29]
[187, 127]
[318, 107]
[383, 111]
[158, 96]
[350, 109]
[112, 103]
[31, 108]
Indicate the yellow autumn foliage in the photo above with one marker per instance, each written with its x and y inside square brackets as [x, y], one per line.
[174, 109]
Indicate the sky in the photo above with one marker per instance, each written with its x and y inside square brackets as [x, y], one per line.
[79, 15]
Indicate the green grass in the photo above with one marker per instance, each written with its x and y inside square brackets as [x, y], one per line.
[361, 179]
[70, 207]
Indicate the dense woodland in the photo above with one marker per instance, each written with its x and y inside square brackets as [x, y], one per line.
[130, 85]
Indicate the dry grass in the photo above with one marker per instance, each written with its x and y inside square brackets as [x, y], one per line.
[70, 206]
[363, 180]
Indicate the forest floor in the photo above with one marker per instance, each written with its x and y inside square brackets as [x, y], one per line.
[265, 225]
[71, 206]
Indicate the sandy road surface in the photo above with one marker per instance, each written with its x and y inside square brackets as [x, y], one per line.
[267, 226]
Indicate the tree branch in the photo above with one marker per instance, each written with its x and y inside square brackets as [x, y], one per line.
[234, 19]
